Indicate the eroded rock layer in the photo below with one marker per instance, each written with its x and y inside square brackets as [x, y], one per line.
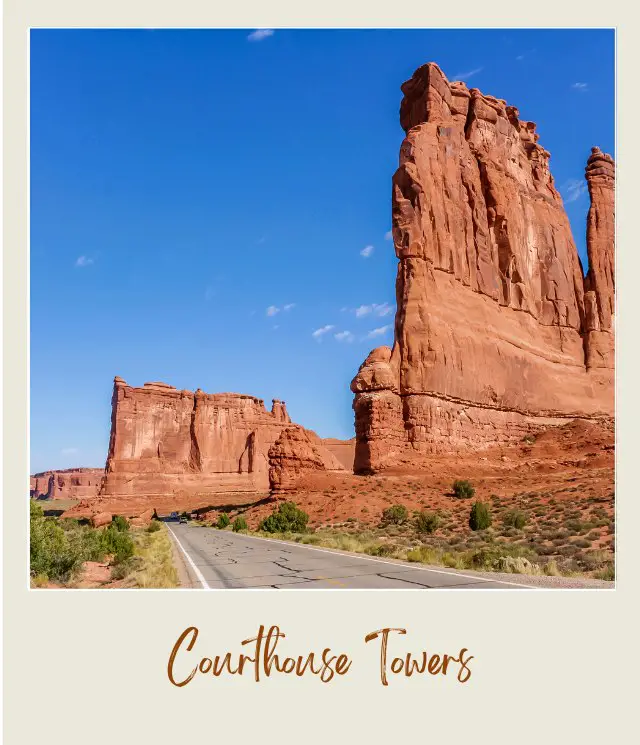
[294, 455]
[71, 483]
[497, 332]
[166, 441]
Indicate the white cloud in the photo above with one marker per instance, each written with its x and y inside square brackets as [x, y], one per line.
[289, 306]
[366, 251]
[83, 261]
[260, 34]
[582, 87]
[379, 332]
[376, 309]
[468, 74]
[69, 451]
[520, 57]
[319, 333]
[388, 235]
[272, 310]
[574, 189]
[344, 336]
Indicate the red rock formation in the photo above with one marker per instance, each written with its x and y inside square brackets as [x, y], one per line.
[101, 518]
[600, 282]
[165, 441]
[293, 455]
[72, 483]
[491, 334]
[343, 450]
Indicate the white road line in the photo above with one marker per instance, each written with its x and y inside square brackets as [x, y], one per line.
[391, 563]
[196, 571]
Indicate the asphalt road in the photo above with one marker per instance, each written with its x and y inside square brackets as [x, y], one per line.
[215, 559]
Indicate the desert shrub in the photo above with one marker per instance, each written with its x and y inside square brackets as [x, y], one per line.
[154, 527]
[486, 557]
[379, 549]
[480, 517]
[239, 524]
[52, 555]
[286, 517]
[223, 521]
[515, 565]
[397, 514]
[596, 559]
[608, 573]
[551, 569]
[120, 523]
[514, 519]
[427, 522]
[463, 489]
[116, 542]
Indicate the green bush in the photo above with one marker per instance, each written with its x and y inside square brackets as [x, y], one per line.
[480, 517]
[52, 554]
[223, 521]
[427, 522]
[286, 517]
[463, 489]
[154, 526]
[116, 542]
[397, 514]
[514, 519]
[240, 524]
[58, 548]
[120, 523]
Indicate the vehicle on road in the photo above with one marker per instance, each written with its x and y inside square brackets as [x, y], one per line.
[183, 519]
[174, 515]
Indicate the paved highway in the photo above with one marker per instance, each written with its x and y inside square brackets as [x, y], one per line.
[216, 559]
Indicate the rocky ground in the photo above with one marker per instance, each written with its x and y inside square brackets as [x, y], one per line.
[561, 481]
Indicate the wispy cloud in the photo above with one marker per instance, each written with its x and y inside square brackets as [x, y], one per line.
[69, 451]
[582, 87]
[379, 331]
[272, 310]
[468, 74]
[524, 55]
[366, 251]
[344, 336]
[388, 235]
[260, 34]
[376, 309]
[319, 333]
[288, 306]
[574, 189]
[83, 261]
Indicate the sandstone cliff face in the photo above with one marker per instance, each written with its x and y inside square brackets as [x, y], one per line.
[166, 441]
[600, 282]
[493, 333]
[71, 483]
[292, 456]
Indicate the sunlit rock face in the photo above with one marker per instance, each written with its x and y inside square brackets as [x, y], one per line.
[497, 331]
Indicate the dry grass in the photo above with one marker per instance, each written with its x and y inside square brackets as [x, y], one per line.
[153, 565]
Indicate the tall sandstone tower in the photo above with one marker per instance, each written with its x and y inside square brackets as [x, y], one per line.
[497, 331]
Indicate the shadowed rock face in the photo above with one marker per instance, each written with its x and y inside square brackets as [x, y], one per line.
[166, 441]
[497, 332]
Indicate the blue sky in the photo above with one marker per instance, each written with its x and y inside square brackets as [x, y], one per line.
[210, 208]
